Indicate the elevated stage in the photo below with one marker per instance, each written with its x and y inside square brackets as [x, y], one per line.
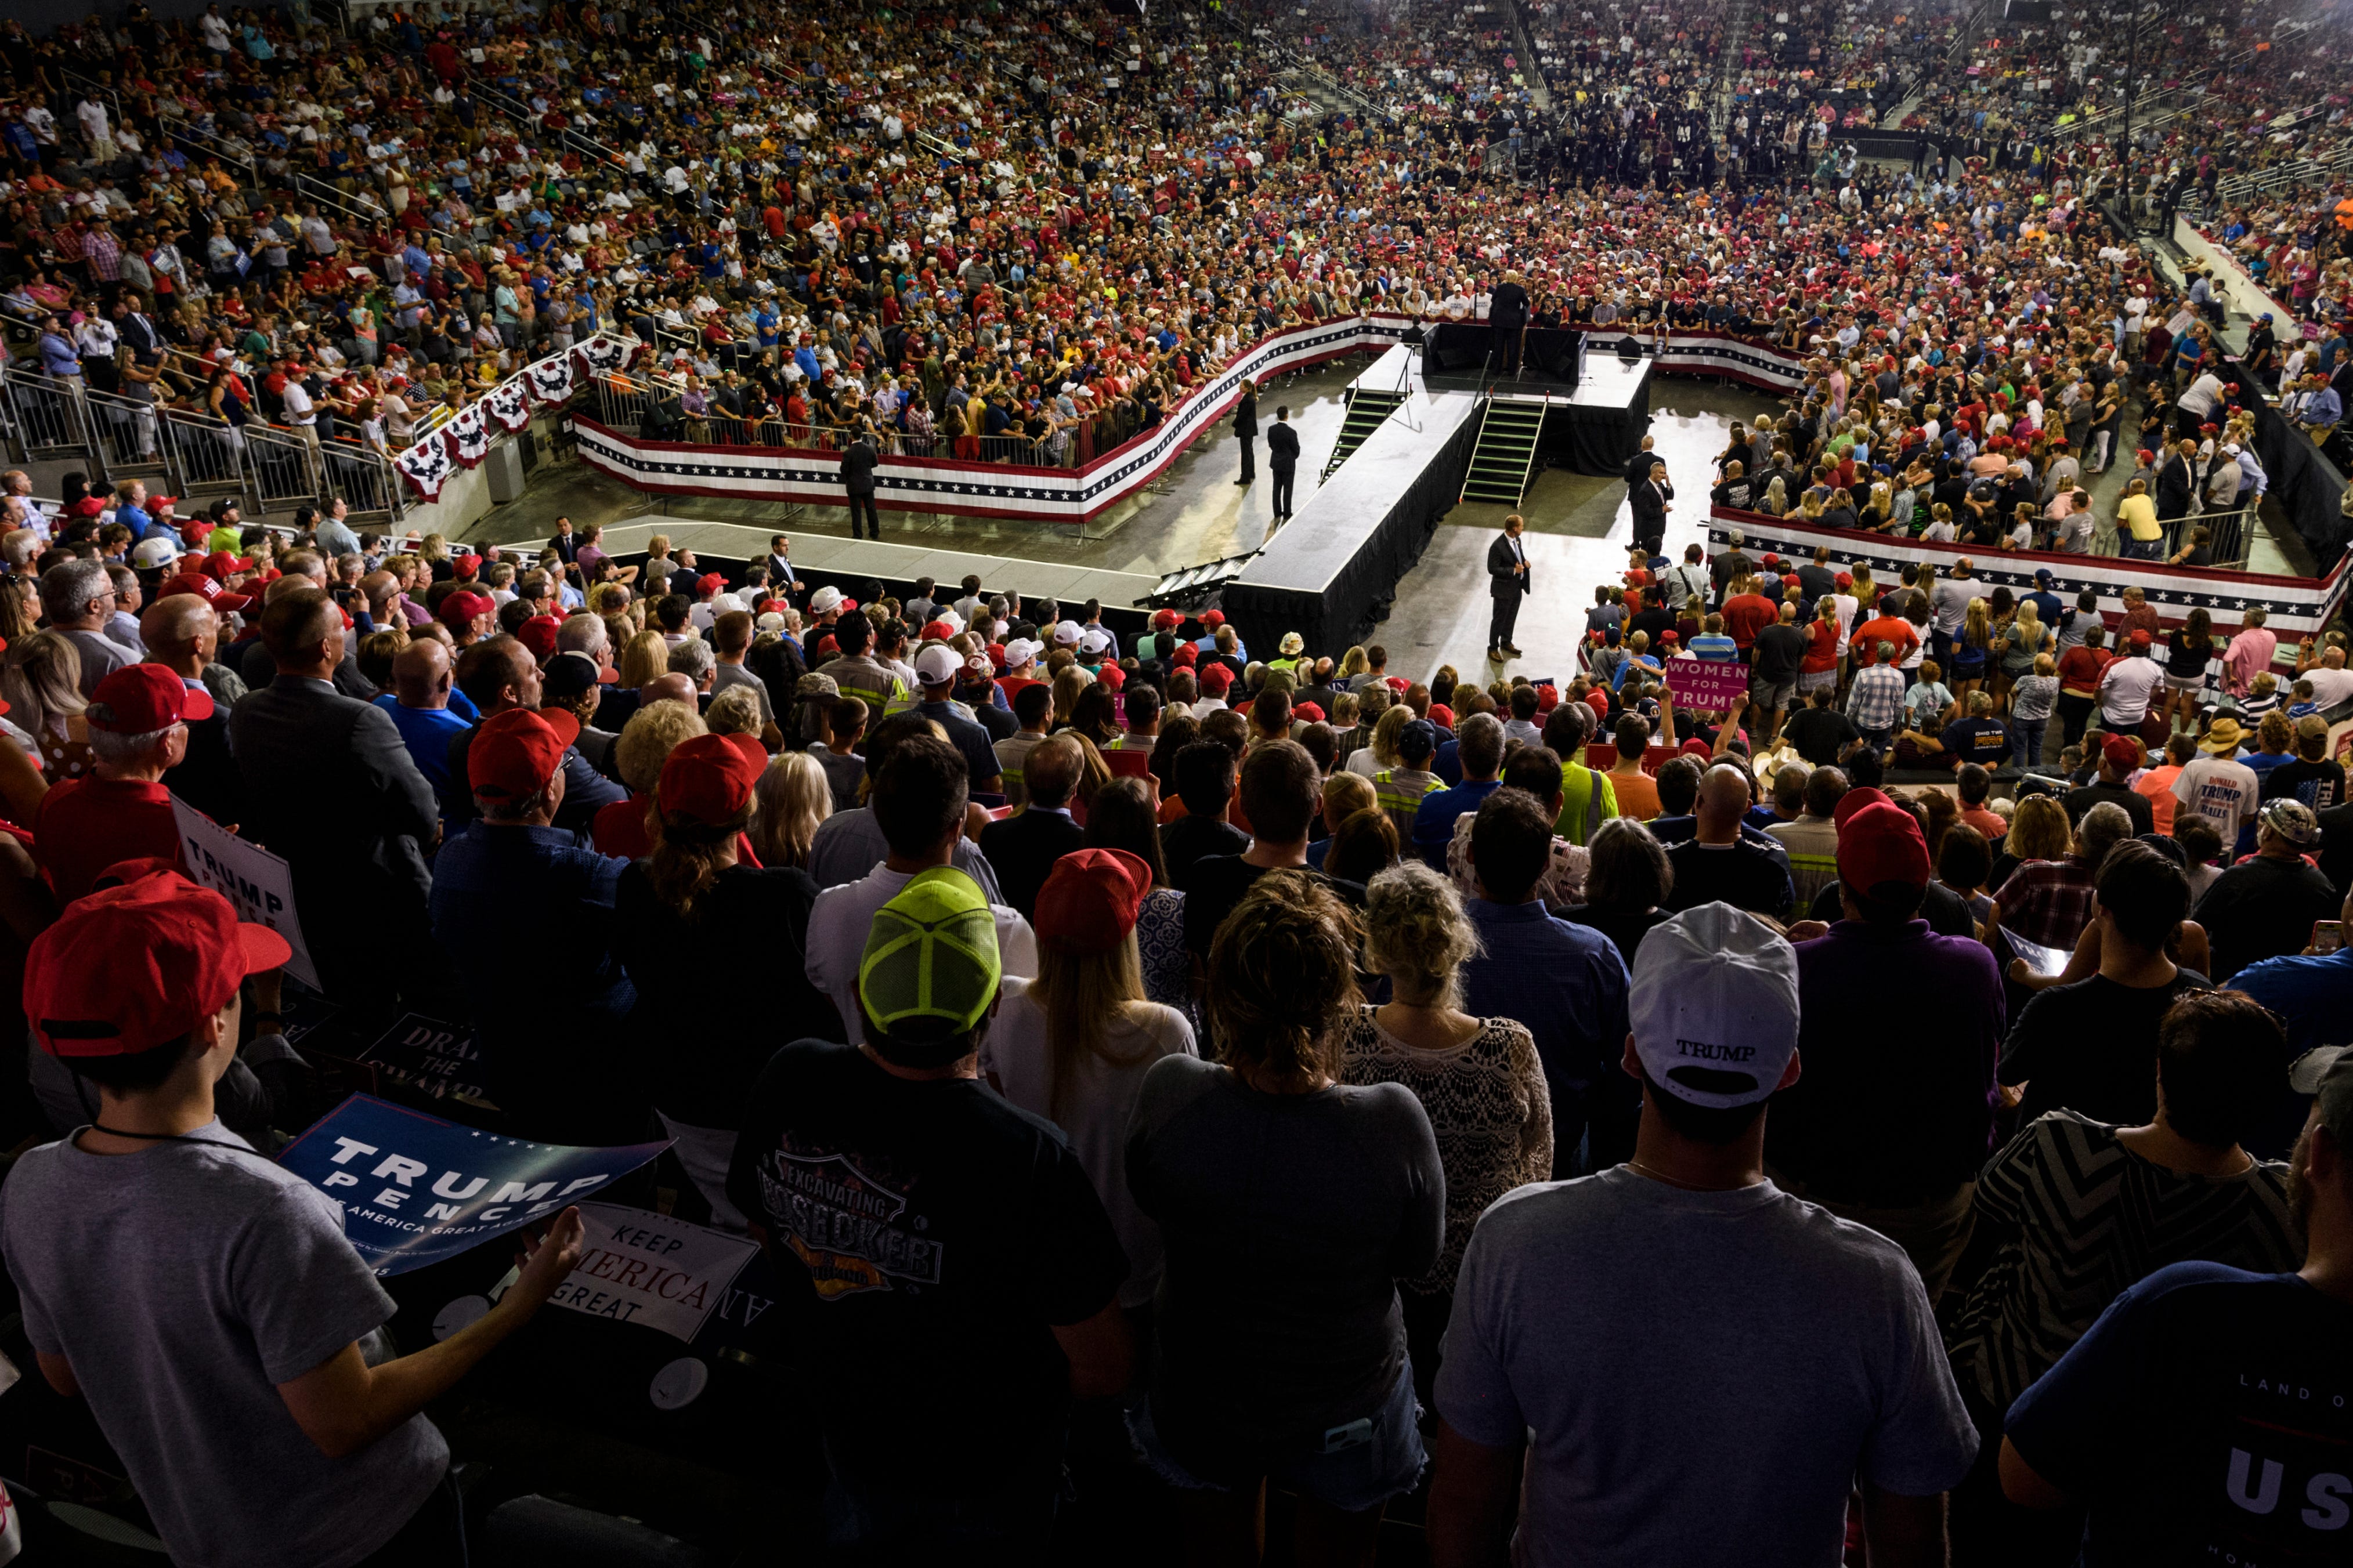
[1333, 570]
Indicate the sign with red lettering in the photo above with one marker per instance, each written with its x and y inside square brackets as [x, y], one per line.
[643, 1268]
[1706, 685]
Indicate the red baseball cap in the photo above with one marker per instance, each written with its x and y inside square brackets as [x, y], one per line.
[176, 953]
[463, 564]
[1308, 713]
[710, 583]
[1844, 580]
[1547, 698]
[1855, 799]
[538, 635]
[937, 631]
[1881, 843]
[1186, 657]
[220, 563]
[2121, 753]
[462, 606]
[1213, 619]
[515, 753]
[710, 777]
[142, 698]
[1090, 902]
[205, 589]
[1598, 699]
[1166, 620]
[1215, 678]
[2139, 638]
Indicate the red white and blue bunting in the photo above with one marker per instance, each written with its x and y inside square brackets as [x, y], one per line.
[468, 435]
[2295, 606]
[509, 404]
[466, 439]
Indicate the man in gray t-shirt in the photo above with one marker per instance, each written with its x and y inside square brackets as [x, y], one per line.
[202, 1299]
[1704, 1365]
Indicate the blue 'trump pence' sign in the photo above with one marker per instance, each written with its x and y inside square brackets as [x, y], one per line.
[417, 1190]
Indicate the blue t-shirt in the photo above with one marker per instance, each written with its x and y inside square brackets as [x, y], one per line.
[1433, 820]
[2313, 996]
[2206, 1417]
[427, 732]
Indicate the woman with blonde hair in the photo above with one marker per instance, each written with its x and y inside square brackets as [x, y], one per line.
[693, 908]
[1344, 1197]
[1074, 1044]
[645, 658]
[795, 798]
[42, 683]
[1777, 498]
[1344, 795]
[1478, 1079]
[1069, 684]
[1353, 664]
[1381, 751]
[647, 741]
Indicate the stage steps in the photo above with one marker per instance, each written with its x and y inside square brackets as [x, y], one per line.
[1506, 453]
[1368, 411]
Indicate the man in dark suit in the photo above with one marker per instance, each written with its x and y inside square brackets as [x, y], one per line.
[329, 787]
[858, 478]
[1246, 431]
[781, 575]
[1283, 460]
[567, 544]
[1650, 507]
[1637, 466]
[1507, 317]
[1507, 581]
[1022, 848]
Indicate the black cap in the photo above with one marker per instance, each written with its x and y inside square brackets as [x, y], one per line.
[568, 675]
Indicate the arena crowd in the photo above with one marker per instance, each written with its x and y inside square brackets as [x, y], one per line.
[1901, 1115]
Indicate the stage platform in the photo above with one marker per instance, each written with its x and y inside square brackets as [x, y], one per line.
[1597, 428]
[1336, 565]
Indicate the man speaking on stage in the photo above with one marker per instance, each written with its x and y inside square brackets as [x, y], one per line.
[1507, 316]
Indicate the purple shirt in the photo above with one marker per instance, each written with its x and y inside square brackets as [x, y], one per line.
[1893, 1105]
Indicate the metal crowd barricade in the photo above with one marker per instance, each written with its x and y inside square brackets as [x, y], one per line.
[364, 477]
[284, 465]
[51, 415]
[126, 435]
[206, 453]
[621, 403]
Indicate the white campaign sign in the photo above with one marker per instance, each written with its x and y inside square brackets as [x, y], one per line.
[247, 875]
[639, 1266]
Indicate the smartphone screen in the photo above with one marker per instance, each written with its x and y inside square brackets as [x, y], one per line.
[2327, 936]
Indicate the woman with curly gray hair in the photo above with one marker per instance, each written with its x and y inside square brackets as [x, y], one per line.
[1479, 1079]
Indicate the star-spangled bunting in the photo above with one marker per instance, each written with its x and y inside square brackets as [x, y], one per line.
[509, 404]
[426, 467]
[467, 437]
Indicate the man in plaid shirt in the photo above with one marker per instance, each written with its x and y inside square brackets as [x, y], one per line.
[104, 253]
[1876, 702]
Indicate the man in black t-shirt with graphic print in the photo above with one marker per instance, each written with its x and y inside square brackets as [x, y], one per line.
[961, 1276]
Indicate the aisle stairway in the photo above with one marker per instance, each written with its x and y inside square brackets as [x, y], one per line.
[1367, 409]
[1506, 453]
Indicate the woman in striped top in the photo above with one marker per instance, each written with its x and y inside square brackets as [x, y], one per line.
[2087, 1209]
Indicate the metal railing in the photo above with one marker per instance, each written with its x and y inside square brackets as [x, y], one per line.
[50, 416]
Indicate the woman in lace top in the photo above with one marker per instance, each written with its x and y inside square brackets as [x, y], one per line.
[1478, 1079]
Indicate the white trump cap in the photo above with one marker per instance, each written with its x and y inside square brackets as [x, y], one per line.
[1714, 1006]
